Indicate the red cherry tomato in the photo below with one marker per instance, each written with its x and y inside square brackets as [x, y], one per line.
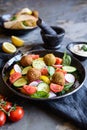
[58, 60]
[57, 66]
[14, 77]
[44, 71]
[34, 56]
[2, 118]
[56, 88]
[29, 89]
[6, 105]
[60, 70]
[16, 114]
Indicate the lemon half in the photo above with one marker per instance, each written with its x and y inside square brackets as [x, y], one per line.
[8, 47]
[17, 41]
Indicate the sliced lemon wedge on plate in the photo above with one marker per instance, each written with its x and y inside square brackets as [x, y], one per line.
[8, 47]
[17, 41]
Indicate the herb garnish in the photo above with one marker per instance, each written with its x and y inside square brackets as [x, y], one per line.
[66, 59]
[84, 48]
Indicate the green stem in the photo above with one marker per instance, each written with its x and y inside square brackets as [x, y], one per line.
[12, 108]
[3, 110]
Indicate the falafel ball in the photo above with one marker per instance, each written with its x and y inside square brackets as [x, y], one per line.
[33, 74]
[58, 78]
[26, 60]
[50, 59]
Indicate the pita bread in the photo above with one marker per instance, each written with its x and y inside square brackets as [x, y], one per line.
[20, 25]
[25, 17]
[18, 22]
[9, 24]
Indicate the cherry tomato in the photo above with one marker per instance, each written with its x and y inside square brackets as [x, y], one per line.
[14, 77]
[22, 90]
[29, 89]
[60, 70]
[56, 88]
[44, 71]
[34, 56]
[58, 60]
[57, 66]
[2, 118]
[16, 114]
[6, 106]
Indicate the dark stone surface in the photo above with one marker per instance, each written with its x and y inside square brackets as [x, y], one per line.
[65, 13]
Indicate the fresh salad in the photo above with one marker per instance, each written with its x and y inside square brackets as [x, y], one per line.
[43, 77]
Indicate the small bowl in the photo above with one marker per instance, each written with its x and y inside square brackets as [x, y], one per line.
[78, 56]
[53, 41]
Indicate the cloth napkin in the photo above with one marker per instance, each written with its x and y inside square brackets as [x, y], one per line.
[74, 107]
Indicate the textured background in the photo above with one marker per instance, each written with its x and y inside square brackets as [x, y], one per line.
[72, 16]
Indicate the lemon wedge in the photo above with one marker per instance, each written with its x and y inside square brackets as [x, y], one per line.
[8, 47]
[17, 41]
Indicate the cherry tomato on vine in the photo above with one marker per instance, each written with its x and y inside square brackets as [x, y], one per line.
[6, 105]
[16, 114]
[2, 118]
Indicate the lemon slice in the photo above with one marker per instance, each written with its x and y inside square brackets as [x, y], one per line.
[17, 41]
[8, 47]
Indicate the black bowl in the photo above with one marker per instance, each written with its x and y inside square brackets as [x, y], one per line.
[75, 62]
[16, 32]
[71, 45]
[53, 41]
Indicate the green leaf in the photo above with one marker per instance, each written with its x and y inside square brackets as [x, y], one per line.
[66, 59]
[67, 86]
[13, 18]
[63, 92]
[84, 48]
[40, 94]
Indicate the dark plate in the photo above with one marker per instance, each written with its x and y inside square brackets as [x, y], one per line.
[16, 32]
[75, 62]
[70, 45]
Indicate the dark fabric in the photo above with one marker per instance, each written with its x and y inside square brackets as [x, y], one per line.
[73, 106]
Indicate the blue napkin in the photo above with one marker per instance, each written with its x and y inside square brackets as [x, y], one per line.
[74, 107]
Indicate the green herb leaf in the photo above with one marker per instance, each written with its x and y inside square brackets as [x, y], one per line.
[40, 94]
[66, 59]
[13, 18]
[67, 86]
[84, 48]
